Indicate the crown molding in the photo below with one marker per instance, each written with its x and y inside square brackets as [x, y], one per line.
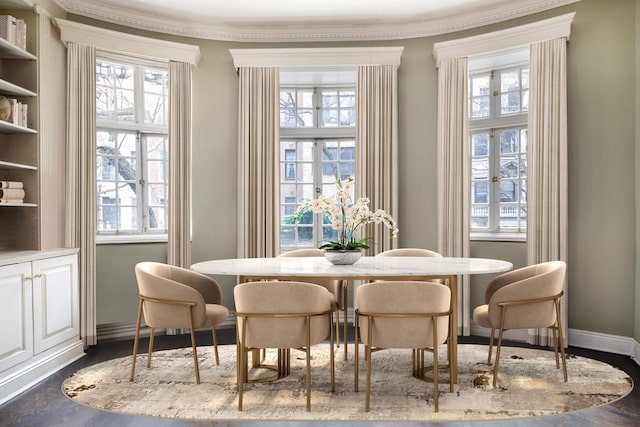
[310, 32]
[505, 40]
[317, 57]
[114, 41]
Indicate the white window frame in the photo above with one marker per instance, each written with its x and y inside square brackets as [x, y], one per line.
[141, 130]
[494, 123]
[317, 135]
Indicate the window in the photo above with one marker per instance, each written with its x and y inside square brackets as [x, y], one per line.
[314, 157]
[131, 147]
[499, 102]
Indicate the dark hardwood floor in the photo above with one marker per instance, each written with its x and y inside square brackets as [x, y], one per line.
[45, 405]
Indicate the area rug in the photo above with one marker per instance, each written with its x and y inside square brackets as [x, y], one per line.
[529, 385]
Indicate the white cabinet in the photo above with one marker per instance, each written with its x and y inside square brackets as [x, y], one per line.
[40, 317]
[55, 301]
[16, 334]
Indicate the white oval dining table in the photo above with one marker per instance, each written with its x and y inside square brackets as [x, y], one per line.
[367, 268]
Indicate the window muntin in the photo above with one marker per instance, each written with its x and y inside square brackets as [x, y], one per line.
[499, 102]
[131, 148]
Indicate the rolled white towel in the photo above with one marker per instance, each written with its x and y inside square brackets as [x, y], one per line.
[12, 193]
[11, 184]
[4, 201]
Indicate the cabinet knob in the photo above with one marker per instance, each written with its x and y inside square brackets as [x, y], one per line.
[28, 278]
[37, 276]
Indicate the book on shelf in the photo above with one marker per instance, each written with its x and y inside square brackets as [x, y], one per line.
[14, 31]
[11, 184]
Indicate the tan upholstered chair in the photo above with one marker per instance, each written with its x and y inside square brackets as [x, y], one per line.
[528, 297]
[410, 252]
[416, 252]
[338, 289]
[405, 314]
[282, 315]
[174, 297]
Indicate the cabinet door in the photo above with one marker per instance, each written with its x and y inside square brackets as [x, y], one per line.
[16, 330]
[55, 301]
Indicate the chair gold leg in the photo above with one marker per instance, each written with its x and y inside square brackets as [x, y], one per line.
[436, 391]
[561, 339]
[345, 308]
[355, 355]
[555, 346]
[136, 339]
[215, 345]
[332, 357]
[367, 347]
[308, 344]
[493, 332]
[497, 362]
[150, 350]
[193, 345]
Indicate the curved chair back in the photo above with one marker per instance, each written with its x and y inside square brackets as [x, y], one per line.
[276, 311]
[543, 280]
[420, 299]
[158, 281]
[410, 252]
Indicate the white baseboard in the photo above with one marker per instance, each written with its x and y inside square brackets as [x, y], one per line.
[602, 342]
[636, 352]
[25, 375]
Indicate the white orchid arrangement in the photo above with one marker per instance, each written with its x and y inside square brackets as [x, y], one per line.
[347, 217]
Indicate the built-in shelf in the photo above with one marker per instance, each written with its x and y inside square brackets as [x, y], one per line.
[8, 88]
[9, 165]
[11, 51]
[25, 205]
[8, 128]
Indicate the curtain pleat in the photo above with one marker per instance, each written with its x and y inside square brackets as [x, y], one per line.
[179, 226]
[453, 173]
[547, 163]
[81, 178]
[258, 166]
[377, 147]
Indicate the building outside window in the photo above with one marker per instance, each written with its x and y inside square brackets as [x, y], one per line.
[498, 110]
[317, 147]
[131, 147]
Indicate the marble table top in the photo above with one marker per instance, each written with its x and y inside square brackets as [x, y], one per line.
[366, 267]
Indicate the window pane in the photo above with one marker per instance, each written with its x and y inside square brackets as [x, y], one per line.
[156, 81]
[105, 102]
[156, 195]
[480, 144]
[157, 218]
[128, 218]
[305, 98]
[509, 142]
[305, 118]
[480, 192]
[525, 100]
[124, 105]
[525, 78]
[347, 98]
[509, 190]
[347, 117]
[509, 167]
[154, 109]
[480, 107]
[330, 118]
[480, 85]
[510, 103]
[509, 81]
[480, 169]
[329, 98]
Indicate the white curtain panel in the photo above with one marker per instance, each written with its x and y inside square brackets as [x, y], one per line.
[81, 178]
[377, 147]
[547, 163]
[258, 162]
[179, 226]
[453, 173]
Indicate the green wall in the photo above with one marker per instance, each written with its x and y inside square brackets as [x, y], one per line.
[602, 139]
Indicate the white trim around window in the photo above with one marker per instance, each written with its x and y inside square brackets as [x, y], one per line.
[505, 40]
[317, 57]
[115, 41]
